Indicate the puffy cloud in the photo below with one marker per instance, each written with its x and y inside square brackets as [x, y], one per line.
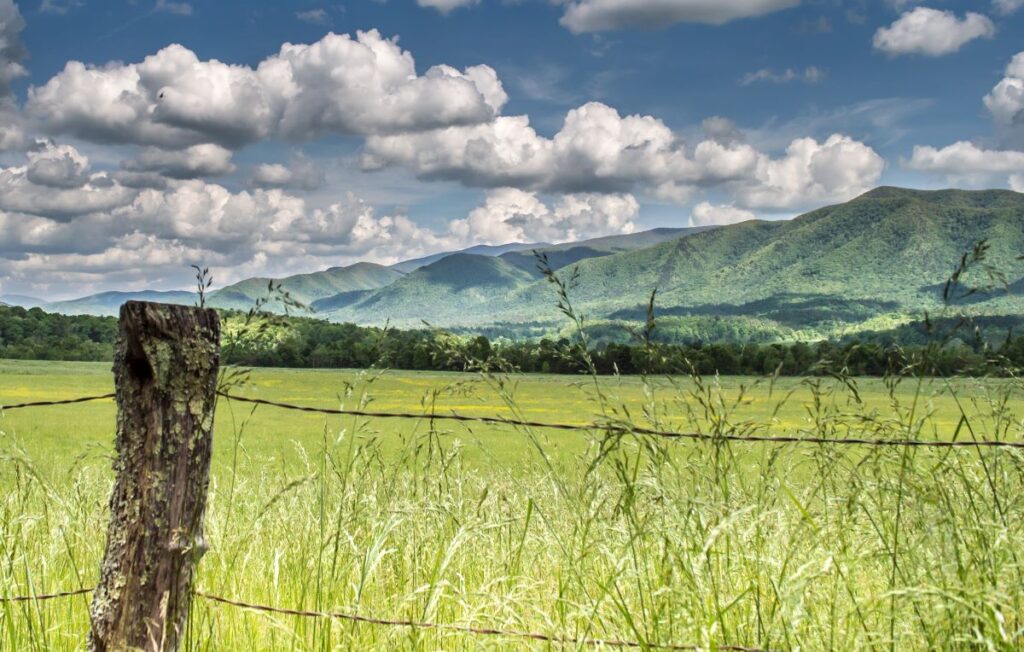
[56, 184]
[932, 32]
[301, 173]
[597, 150]
[707, 214]
[512, 215]
[812, 173]
[87, 231]
[18, 194]
[964, 162]
[1006, 101]
[57, 166]
[444, 6]
[12, 52]
[206, 160]
[504, 152]
[173, 100]
[604, 15]
[151, 235]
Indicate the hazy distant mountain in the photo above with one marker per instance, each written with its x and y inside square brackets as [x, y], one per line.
[21, 300]
[567, 253]
[480, 250]
[109, 303]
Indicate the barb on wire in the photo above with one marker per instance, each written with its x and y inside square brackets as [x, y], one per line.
[68, 401]
[623, 429]
[45, 596]
[466, 629]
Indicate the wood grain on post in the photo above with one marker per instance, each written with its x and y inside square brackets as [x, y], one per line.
[165, 371]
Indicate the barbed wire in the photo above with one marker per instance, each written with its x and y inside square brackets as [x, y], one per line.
[466, 629]
[45, 596]
[630, 429]
[69, 401]
[414, 624]
[607, 427]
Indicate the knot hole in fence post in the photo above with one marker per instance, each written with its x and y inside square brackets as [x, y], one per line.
[165, 372]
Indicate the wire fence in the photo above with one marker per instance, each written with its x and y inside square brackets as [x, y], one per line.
[410, 624]
[613, 428]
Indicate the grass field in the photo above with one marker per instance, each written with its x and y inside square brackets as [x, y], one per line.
[565, 533]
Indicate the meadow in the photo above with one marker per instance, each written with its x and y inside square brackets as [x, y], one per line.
[571, 534]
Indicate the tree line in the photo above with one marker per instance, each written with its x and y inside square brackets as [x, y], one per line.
[272, 341]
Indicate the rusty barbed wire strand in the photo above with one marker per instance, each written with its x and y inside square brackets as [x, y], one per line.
[465, 629]
[368, 620]
[628, 429]
[69, 401]
[609, 427]
[45, 596]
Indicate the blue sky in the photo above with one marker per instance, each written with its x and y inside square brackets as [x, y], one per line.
[452, 122]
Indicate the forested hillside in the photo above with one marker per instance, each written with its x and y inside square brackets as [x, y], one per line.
[275, 341]
[869, 264]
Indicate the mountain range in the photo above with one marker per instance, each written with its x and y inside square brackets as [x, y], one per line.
[875, 262]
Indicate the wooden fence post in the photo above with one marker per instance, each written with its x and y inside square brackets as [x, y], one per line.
[165, 372]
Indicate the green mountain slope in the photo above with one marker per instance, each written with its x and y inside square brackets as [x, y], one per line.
[449, 286]
[877, 257]
[307, 288]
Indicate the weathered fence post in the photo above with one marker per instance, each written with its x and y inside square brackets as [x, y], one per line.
[165, 371]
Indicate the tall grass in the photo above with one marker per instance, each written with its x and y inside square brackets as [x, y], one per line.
[776, 546]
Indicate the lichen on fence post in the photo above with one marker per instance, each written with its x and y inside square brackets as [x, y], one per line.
[165, 371]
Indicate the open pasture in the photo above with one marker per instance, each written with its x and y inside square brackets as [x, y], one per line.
[571, 534]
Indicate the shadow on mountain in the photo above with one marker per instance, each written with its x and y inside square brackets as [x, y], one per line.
[961, 294]
[338, 301]
[793, 310]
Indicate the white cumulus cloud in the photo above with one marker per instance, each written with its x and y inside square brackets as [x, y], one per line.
[338, 85]
[811, 173]
[65, 228]
[932, 32]
[605, 15]
[966, 163]
[599, 151]
[1006, 101]
[512, 215]
[708, 214]
[206, 160]
[57, 166]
